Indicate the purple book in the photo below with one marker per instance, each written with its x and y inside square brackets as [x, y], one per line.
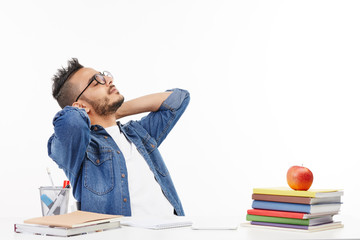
[280, 225]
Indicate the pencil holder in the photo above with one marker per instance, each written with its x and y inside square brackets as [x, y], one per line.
[54, 200]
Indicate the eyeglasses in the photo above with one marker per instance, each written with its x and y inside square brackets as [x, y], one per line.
[100, 78]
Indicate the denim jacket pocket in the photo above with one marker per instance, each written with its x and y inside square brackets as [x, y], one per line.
[99, 172]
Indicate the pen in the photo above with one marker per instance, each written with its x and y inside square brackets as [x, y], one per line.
[66, 184]
[57, 202]
[56, 207]
[52, 183]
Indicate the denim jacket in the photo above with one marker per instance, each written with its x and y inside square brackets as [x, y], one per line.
[96, 166]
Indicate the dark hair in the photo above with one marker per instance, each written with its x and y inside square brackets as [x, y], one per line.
[63, 91]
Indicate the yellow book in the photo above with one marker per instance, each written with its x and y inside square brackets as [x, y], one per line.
[286, 191]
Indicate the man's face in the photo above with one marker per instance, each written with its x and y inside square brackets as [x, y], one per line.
[103, 99]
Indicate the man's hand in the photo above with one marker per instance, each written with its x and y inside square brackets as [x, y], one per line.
[148, 103]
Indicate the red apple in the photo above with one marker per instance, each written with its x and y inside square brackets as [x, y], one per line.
[299, 178]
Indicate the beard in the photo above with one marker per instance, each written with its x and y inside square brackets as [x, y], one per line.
[104, 107]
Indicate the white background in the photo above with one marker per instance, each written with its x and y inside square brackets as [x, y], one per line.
[273, 84]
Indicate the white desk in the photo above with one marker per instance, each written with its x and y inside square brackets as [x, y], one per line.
[350, 231]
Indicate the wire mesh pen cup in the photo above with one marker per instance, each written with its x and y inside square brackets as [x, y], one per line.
[54, 200]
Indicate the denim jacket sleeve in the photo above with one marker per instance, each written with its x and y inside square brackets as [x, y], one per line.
[67, 146]
[158, 124]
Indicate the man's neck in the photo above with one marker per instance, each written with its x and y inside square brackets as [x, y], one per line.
[104, 121]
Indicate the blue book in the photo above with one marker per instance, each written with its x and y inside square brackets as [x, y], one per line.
[296, 207]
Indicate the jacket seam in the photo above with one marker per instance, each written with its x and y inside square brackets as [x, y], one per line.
[168, 124]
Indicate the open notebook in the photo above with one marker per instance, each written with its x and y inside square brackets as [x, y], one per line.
[152, 222]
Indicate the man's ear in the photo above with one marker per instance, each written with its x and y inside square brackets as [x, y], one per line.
[76, 104]
[81, 106]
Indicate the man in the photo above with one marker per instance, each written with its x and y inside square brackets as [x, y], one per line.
[114, 168]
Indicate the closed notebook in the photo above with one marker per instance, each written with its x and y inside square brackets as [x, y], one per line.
[70, 224]
[306, 222]
[294, 207]
[74, 219]
[63, 231]
[293, 199]
[298, 215]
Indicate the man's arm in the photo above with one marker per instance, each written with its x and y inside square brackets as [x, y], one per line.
[67, 146]
[148, 103]
[160, 122]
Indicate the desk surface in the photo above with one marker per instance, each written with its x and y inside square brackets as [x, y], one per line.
[351, 230]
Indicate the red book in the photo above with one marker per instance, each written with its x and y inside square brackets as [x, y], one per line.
[273, 213]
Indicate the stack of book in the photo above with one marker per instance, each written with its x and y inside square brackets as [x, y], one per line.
[282, 207]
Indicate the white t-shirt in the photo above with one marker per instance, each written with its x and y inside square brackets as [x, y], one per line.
[146, 197]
